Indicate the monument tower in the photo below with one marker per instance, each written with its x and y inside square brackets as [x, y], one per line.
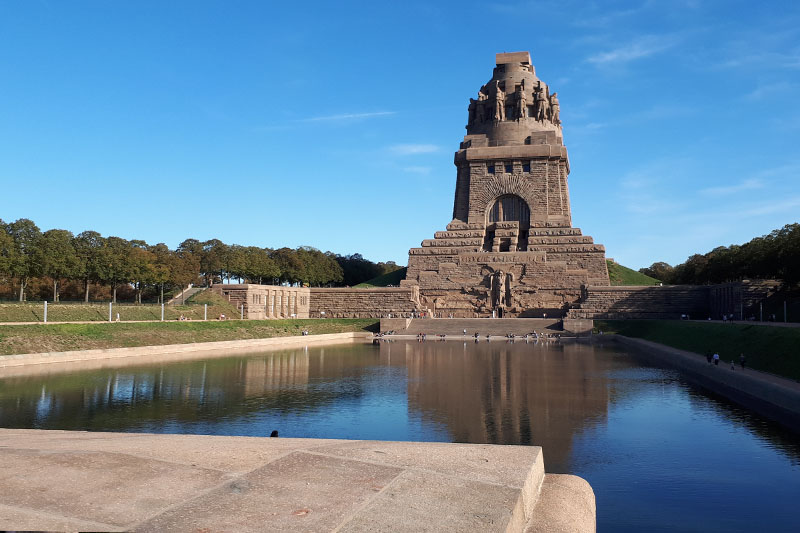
[510, 249]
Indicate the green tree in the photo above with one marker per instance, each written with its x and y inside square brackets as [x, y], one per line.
[8, 252]
[660, 271]
[215, 258]
[88, 246]
[115, 264]
[163, 262]
[141, 267]
[292, 268]
[187, 264]
[26, 236]
[57, 258]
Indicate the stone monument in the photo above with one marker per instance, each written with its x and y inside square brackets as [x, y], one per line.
[510, 250]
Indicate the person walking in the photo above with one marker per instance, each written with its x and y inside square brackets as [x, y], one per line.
[742, 360]
[716, 359]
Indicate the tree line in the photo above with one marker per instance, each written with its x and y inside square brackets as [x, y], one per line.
[772, 256]
[73, 265]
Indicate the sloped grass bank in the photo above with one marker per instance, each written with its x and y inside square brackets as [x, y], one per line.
[65, 337]
[91, 312]
[768, 348]
[622, 275]
[392, 278]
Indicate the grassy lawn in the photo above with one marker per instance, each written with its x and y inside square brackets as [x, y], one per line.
[768, 348]
[79, 312]
[64, 337]
[621, 275]
[392, 278]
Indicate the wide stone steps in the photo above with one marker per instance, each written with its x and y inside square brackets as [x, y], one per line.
[482, 326]
[642, 302]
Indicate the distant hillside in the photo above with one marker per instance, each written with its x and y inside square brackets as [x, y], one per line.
[392, 278]
[620, 275]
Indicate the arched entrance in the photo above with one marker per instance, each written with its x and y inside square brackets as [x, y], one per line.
[507, 208]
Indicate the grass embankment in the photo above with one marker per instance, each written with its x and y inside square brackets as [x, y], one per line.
[80, 312]
[392, 278]
[65, 337]
[768, 348]
[621, 275]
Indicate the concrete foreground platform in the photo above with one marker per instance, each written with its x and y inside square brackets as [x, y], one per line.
[77, 481]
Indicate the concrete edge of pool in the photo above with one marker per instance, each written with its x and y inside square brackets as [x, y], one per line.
[770, 395]
[70, 480]
[167, 352]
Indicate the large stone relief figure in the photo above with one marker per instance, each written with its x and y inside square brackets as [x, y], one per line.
[499, 103]
[522, 103]
[554, 109]
[539, 104]
[500, 289]
[473, 105]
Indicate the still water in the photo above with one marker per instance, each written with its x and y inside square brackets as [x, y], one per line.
[660, 454]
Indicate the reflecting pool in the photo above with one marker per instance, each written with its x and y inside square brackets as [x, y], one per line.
[660, 454]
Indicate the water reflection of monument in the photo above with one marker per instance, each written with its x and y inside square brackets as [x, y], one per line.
[504, 393]
[275, 371]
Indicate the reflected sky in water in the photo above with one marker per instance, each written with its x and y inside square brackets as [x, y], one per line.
[660, 454]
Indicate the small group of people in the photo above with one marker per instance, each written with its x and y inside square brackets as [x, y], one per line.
[421, 337]
[183, 318]
[713, 359]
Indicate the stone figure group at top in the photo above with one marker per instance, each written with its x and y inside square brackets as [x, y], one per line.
[545, 106]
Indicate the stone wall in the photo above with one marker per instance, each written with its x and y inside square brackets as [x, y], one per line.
[643, 302]
[363, 303]
[740, 298]
[267, 301]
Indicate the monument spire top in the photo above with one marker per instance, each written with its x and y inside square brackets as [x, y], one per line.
[513, 57]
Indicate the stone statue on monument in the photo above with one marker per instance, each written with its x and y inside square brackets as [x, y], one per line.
[499, 103]
[500, 286]
[522, 103]
[473, 105]
[539, 104]
[554, 109]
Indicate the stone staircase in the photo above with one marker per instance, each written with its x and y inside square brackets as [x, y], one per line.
[643, 302]
[483, 326]
[184, 295]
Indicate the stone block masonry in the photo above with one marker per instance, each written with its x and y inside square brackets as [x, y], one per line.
[363, 303]
[510, 250]
[267, 301]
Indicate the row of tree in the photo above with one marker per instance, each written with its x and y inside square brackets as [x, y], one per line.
[28, 254]
[773, 256]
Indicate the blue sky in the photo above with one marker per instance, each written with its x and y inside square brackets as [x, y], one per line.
[333, 124]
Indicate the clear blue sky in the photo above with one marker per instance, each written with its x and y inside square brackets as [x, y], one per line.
[333, 124]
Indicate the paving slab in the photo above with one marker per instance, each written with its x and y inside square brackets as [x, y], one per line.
[513, 466]
[425, 501]
[228, 454]
[13, 519]
[300, 492]
[69, 481]
[104, 487]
